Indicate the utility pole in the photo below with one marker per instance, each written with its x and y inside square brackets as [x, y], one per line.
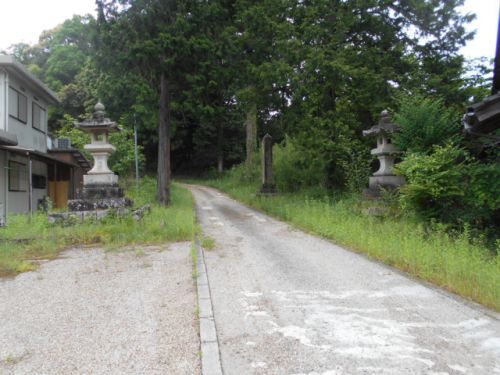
[136, 154]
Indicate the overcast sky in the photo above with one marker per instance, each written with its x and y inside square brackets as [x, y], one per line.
[24, 20]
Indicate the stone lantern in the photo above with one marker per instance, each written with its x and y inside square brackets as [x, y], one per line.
[100, 184]
[386, 153]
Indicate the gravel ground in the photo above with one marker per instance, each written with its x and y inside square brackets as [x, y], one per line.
[96, 312]
[286, 302]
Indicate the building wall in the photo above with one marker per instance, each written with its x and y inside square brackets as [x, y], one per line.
[27, 135]
[18, 201]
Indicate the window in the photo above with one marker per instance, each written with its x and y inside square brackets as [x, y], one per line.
[18, 105]
[18, 176]
[38, 181]
[38, 117]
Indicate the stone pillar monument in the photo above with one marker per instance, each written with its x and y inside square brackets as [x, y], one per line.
[386, 153]
[100, 184]
[268, 186]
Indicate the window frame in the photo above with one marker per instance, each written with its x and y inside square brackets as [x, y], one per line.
[17, 115]
[16, 172]
[39, 181]
[40, 118]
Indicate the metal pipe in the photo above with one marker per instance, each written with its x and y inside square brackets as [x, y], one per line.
[6, 186]
[6, 155]
[30, 180]
[136, 154]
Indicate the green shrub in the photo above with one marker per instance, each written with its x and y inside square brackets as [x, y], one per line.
[295, 168]
[357, 168]
[450, 185]
[424, 122]
[435, 182]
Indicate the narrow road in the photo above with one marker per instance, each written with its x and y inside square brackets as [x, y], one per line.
[286, 302]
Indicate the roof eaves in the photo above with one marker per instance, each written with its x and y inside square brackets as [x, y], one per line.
[11, 62]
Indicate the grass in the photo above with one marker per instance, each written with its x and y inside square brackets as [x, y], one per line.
[25, 240]
[455, 263]
[208, 243]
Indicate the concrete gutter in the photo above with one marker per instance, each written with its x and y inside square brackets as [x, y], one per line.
[210, 354]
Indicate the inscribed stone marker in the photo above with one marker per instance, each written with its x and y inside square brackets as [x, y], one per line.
[268, 186]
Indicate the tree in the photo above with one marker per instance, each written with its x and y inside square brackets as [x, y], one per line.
[149, 36]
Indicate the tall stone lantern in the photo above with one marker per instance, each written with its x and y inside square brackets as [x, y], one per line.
[386, 152]
[100, 184]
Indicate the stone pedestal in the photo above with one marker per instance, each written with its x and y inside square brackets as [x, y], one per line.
[268, 185]
[100, 184]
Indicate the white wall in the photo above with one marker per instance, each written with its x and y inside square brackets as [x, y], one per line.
[27, 136]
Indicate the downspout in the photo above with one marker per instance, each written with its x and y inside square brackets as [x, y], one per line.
[6, 169]
[30, 180]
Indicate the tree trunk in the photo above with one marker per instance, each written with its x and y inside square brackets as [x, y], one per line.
[251, 130]
[163, 193]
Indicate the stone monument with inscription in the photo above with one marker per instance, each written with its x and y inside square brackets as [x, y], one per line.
[268, 185]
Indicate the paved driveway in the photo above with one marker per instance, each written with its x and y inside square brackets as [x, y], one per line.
[286, 302]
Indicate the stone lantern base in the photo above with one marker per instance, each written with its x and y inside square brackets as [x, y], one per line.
[379, 183]
[99, 197]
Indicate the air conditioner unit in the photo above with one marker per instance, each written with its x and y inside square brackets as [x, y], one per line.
[63, 143]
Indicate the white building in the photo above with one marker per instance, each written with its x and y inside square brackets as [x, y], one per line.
[25, 165]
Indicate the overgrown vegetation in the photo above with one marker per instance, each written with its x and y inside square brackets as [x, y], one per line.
[449, 178]
[26, 239]
[455, 261]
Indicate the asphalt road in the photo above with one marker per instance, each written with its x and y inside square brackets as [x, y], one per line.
[286, 302]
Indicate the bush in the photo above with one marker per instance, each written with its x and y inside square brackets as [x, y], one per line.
[435, 182]
[357, 168]
[451, 186]
[424, 122]
[295, 169]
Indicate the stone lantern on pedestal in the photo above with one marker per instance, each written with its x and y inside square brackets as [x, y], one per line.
[100, 184]
[386, 153]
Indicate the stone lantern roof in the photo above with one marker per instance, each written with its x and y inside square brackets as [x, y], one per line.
[385, 126]
[98, 122]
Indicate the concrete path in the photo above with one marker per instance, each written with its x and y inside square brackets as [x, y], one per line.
[92, 312]
[286, 302]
